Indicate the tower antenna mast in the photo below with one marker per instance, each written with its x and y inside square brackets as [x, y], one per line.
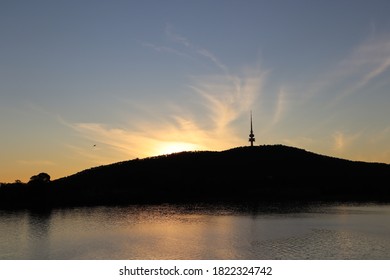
[251, 135]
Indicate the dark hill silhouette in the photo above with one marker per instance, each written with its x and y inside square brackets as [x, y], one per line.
[243, 174]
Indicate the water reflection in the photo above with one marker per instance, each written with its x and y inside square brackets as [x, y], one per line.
[198, 232]
[38, 234]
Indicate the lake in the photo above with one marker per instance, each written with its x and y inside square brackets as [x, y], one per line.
[268, 231]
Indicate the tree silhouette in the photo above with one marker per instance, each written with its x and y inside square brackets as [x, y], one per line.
[40, 179]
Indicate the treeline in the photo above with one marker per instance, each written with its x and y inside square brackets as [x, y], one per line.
[262, 173]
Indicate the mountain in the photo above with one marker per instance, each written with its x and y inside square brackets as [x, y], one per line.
[242, 174]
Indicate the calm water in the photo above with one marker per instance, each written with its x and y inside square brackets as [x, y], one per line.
[198, 232]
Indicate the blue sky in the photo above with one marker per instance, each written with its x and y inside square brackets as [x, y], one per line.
[143, 78]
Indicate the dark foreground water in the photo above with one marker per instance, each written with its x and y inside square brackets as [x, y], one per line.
[337, 231]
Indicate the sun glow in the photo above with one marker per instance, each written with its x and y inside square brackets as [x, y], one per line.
[175, 147]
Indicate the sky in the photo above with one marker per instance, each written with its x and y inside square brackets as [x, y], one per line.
[88, 83]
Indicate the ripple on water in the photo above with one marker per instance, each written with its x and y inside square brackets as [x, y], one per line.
[323, 244]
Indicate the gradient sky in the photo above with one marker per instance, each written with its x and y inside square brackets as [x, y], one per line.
[144, 78]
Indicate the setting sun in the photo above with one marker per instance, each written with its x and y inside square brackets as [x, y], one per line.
[175, 147]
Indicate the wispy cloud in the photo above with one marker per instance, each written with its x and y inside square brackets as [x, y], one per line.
[280, 107]
[165, 49]
[193, 48]
[228, 97]
[207, 54]
[185, 48]
[358, 69]
[342, 141]
[367, 61]
[126, 142]
[356, 72]
[176, 37]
